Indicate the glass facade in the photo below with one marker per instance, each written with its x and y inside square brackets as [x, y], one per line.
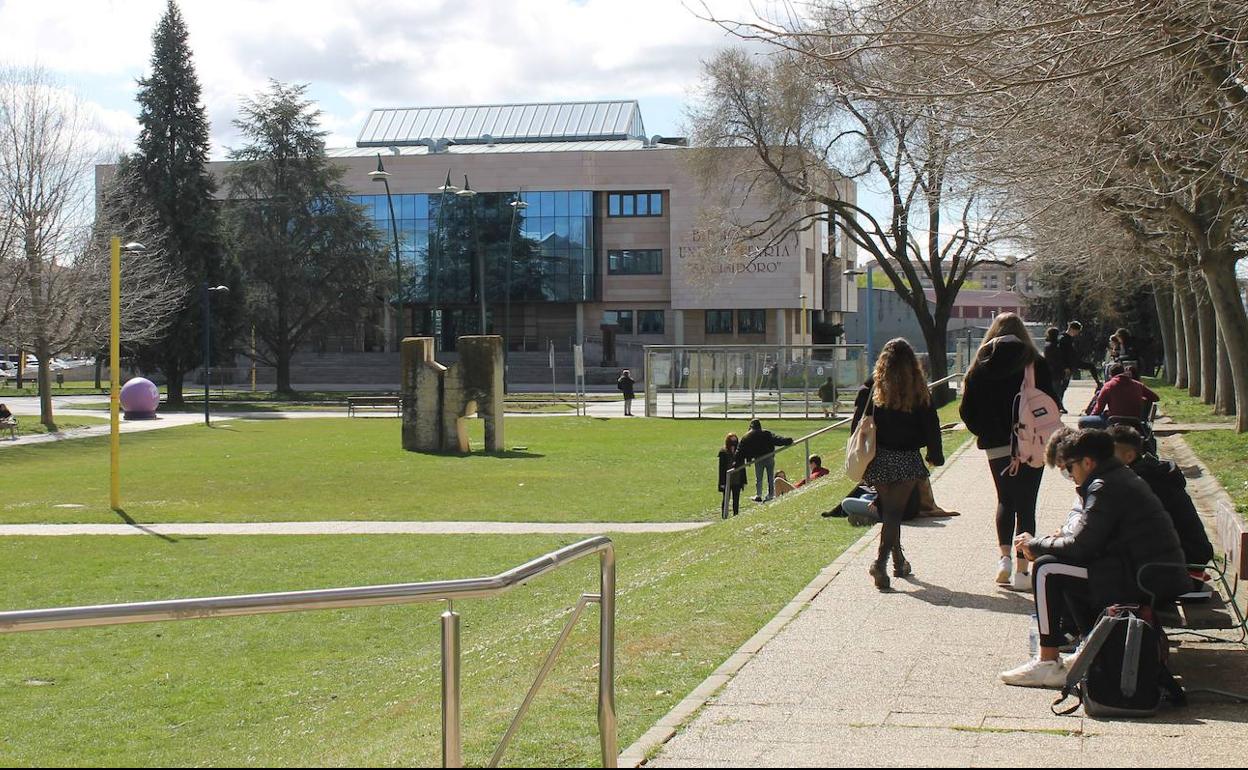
[550, 251]
[635, 204]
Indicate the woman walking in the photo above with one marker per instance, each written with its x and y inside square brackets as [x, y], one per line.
[992, 382]
[626, 385]
[728, 467]
[905, 423]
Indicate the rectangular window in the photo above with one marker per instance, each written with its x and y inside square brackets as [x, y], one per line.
[719, 322]
[639, 204]
[649, 321]
[751, 321]
[620, 319]
[635, 262]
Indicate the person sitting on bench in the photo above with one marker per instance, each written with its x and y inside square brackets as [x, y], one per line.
[1123, 527]
[1168, 483]
[7, 420]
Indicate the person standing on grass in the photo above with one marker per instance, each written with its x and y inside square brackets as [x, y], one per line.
[761, 445]
[827, 396]
[905, 423]
[730, 474]
[992, 384]
[626, 385]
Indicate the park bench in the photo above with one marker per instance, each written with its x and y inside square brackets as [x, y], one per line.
[10, 424]
[374, 403]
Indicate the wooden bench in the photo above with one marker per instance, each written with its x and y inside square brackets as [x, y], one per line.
[373, 403]
[9, 423]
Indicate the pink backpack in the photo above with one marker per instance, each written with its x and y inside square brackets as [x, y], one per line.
[1036, 418]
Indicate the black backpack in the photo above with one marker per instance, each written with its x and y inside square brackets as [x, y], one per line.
[1121, 670]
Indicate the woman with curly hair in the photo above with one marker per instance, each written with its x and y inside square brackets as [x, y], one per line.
[905, 423]
[988, 391]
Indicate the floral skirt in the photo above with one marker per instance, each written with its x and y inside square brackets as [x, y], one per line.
[892, 465]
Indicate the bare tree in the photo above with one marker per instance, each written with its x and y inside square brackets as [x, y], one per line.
[47, 160]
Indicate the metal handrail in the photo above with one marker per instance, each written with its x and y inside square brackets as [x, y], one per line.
[400, 593]
[805, 441]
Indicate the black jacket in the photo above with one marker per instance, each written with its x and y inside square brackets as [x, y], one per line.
[902, 431]
[1168, 483]
[626, 384]
[756, 443]
[1070, 358]
[1123, 527]
[990, 387]
[1055, 359]
[727, 461]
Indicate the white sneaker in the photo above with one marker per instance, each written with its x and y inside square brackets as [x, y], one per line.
[1021, 581]
[1050, 674]
[1004, 570]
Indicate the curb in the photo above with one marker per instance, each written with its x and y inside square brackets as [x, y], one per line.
[667, 727]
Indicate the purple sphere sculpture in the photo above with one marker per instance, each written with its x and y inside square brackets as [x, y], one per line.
[139, 399]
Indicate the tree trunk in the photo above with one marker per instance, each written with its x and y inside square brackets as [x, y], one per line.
[1191, 333]
[1224, 291]
[1225, 401]
[1207, 322]
[937, 339]
[1163, 299]
[174, 379]
[1180, 339]
[44, 355]
[283, 370]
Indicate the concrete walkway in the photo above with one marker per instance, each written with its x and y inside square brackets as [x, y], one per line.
[909, 678]
[350, 528]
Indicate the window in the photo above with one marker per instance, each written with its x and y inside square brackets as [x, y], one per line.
[621, 319]
[752, 322]
[635, 262]
[649, 321]
[719, 322]
[638, 204]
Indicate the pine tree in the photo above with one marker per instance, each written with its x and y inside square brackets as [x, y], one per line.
[171, 167]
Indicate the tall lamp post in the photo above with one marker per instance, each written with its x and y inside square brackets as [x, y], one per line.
[208, 292]
[470, 195]
[446, 189]
[383, 176]
[517, 205]
[114, 369]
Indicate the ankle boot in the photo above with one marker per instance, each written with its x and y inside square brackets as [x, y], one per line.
[901, 567]
[879, 571]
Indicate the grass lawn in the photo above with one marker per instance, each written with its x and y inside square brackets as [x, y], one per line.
[361, 687]
[1181, 407]
[29, 425]
[570, 469]
[8, 387]
[1224, 451]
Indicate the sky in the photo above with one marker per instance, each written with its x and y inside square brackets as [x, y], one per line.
[359, 55]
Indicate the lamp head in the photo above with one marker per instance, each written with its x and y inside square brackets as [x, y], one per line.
[380, 175]
[467, 192]
[447, 187]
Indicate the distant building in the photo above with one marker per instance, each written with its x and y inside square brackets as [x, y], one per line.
[973, 310]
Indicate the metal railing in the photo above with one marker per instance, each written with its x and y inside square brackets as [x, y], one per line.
[400, 593]
[805, 442]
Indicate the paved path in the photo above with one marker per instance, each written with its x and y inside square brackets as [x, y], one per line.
[350, 528]
[861, 678]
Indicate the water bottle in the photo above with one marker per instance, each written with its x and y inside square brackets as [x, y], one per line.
[1033, 639]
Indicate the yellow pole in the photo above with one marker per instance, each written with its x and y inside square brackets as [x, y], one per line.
[114, 373]
[803, 321]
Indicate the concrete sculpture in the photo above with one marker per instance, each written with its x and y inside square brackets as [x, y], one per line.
[139, 399]
[437, 399]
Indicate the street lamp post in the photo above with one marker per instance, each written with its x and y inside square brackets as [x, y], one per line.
[446, 189]
[383, 176]
[470, 195]
[208, 292]
[517, 206]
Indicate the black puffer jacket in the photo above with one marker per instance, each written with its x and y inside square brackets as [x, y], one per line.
[756, 443]
[991, 385]
[1168, 483]
[727, 462]
[1123, 527]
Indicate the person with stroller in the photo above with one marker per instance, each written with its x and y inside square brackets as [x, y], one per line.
[906, 423]
[1121, 396]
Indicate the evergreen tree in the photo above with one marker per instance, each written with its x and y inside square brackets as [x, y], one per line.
[170, 165]
[309, 254]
